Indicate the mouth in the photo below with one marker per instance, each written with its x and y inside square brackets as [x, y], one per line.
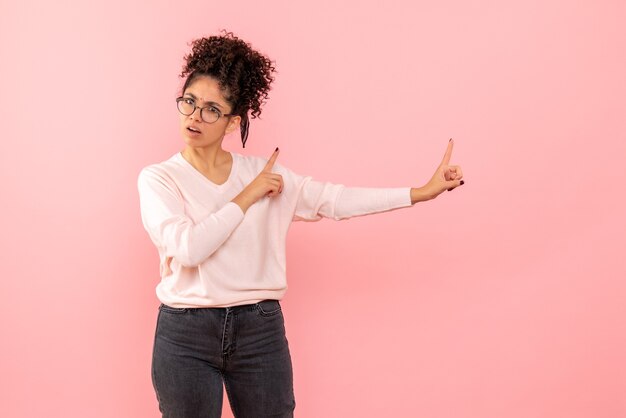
[193, 129]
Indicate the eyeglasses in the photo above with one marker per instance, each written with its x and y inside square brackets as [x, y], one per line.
[209, 114]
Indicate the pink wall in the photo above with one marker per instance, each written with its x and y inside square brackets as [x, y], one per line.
[503, 298]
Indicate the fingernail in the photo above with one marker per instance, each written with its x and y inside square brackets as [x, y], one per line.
[462, 182]
[276, 149]
[450, 139]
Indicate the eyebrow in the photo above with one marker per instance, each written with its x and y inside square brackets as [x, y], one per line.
[208, 102]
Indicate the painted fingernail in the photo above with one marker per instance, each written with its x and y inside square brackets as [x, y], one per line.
[462, 182]
[450, 140]
[276, 149]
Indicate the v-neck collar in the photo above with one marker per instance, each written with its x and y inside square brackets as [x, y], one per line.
[203, 178]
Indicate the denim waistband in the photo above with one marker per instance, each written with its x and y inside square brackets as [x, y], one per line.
[265, 304]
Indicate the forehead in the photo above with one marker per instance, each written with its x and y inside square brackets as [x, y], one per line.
[206, 89]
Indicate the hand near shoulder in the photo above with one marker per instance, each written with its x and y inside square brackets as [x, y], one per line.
[266, 183]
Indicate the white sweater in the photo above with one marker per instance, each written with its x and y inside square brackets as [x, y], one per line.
[214, 255]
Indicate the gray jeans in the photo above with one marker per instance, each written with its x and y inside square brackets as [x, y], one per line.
[245, 347]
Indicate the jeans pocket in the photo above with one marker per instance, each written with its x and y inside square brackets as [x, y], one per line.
[268, 307]
[171, 309]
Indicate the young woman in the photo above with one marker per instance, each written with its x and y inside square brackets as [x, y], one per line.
[219, 221]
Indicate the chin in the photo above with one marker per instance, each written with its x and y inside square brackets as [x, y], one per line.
[190, 138]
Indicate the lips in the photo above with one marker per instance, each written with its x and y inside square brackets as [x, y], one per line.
[193, 129]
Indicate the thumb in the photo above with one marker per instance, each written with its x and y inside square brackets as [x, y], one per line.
[455, 184]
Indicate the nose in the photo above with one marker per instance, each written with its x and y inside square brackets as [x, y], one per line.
[199, 112]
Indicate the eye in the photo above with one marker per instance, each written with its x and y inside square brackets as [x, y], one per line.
[188, 101]
[214, 109]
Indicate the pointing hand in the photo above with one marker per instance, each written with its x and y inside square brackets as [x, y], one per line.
[275, 181]
[266, 184]
[446, 177]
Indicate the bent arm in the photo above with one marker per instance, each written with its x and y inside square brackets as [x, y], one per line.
[163, 217]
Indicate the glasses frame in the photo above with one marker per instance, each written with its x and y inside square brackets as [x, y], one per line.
[195, 106]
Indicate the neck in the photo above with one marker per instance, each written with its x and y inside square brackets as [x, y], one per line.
[206, 158]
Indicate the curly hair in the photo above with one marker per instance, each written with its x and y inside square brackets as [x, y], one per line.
[244, 75]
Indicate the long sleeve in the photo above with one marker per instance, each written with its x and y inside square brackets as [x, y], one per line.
[358, 201]
[317, 199]
[164, 218]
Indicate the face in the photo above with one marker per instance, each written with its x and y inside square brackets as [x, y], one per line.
[205, 92]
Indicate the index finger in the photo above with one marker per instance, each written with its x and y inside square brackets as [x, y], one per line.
[270, 162]
[448, 154]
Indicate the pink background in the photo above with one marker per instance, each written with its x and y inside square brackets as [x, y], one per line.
[503, 298]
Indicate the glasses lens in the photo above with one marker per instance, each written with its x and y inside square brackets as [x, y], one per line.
[210, 115]
[186, 106]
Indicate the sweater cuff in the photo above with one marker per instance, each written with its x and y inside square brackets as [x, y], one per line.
[232, 212]
[399, 197]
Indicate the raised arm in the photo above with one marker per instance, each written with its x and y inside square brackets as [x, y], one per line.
[164, 219]
[319, 199]
[336, 201]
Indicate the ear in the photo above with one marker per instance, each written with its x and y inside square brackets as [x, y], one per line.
[233, 124]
